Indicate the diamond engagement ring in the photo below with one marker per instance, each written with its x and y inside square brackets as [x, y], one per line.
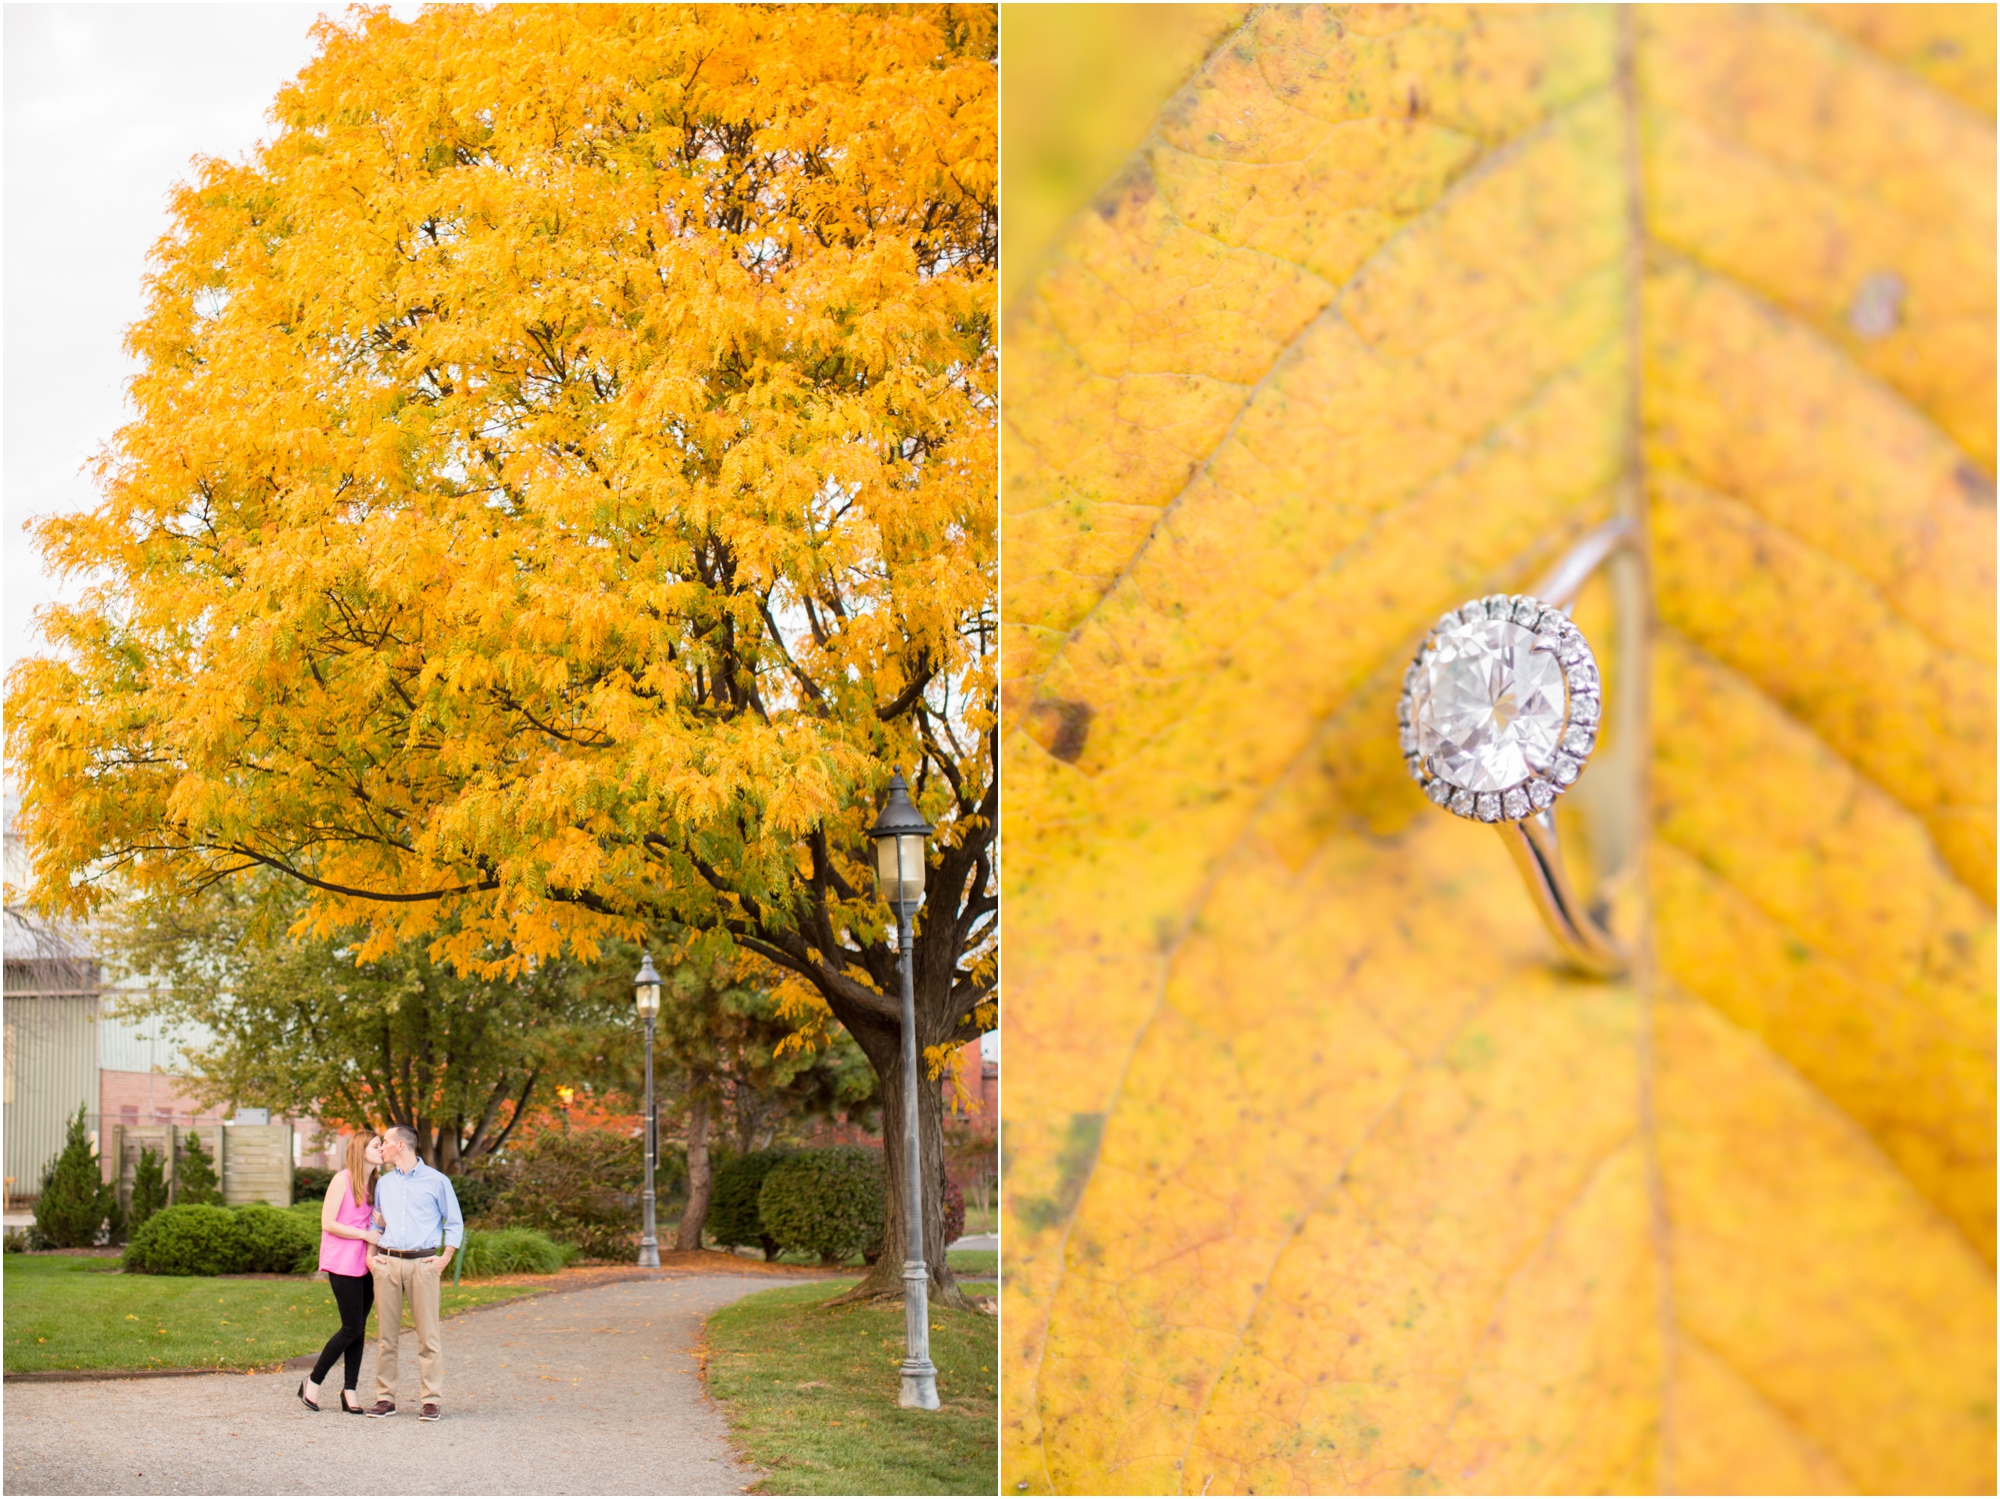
[1500, 712]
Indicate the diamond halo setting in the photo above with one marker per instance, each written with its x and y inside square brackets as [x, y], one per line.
[1500, 708]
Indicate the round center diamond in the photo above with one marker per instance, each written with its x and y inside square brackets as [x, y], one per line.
[1487, 706]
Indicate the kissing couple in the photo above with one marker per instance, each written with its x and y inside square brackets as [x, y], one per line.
[386, 1237]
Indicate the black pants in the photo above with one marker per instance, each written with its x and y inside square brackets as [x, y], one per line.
[355, 1296]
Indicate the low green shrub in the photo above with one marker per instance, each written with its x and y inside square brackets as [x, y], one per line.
[732, 1203]
[201, 1239]
[189, 1239]
[512, 1251]
[275, 1240]
[833, 1202]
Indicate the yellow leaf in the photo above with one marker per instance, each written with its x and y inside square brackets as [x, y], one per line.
[1321, 1176]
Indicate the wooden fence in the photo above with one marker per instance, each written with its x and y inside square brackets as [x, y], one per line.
[253, 1161]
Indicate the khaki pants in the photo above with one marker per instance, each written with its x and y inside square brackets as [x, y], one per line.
[395, 1280]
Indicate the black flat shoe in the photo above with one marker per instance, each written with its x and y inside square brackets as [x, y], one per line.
[302, 1397]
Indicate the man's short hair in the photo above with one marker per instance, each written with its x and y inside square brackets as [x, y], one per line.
[403, 1133]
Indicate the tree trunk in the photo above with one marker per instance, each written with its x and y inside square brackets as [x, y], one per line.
[882, 1044]
[689, 1235]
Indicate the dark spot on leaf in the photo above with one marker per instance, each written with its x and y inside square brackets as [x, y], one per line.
[1072, 726]
[1877, 308]
[1416, 106]
[1974, 485]
[1133, 186]
[1073, 1165]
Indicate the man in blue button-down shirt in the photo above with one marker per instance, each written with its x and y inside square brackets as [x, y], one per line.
[421, 1230]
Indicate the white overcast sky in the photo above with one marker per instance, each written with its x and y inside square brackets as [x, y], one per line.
[105, 105]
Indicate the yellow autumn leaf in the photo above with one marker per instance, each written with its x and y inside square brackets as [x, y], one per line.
[1321, 1176]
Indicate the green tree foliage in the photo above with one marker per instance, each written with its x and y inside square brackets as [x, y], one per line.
[832, 1202]
[149, 1188]
[75, 1200]
[195, 1181]
[303, 1027]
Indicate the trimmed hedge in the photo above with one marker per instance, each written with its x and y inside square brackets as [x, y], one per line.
[732, 1203]
[275, 1241]
[188, 1239]
[833, 1202]
[196, 1239]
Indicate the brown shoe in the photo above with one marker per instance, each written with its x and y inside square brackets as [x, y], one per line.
[384, 1408]
[429, 1412]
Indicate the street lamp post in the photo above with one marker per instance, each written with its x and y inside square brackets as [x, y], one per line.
[899, 835]
[646, 998]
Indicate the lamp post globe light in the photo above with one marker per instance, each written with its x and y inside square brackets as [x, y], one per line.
[646, 999]
[899, 835]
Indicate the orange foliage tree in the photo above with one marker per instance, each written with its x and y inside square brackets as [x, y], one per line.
[562, 488]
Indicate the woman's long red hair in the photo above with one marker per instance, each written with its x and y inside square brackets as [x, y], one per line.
[360, 1175]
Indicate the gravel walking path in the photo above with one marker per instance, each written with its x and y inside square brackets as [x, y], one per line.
[594, 1391]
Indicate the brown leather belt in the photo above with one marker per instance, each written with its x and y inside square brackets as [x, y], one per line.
[410, 1254]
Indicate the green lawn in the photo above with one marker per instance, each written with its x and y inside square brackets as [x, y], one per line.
[71, 1312]
[810, 1392]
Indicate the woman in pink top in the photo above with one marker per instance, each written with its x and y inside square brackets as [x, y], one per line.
[347, 1229]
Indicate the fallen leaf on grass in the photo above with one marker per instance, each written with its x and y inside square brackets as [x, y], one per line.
[1322, 1177]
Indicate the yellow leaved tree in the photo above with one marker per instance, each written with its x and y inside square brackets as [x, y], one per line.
[561, 491]
[1321, 1175]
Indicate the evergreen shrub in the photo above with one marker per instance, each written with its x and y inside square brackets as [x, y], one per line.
[195, 1181]
[832, 1202]
[732, 1202]
[75, 1199]
[149, 1187]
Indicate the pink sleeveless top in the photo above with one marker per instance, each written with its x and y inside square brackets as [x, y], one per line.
[347, 1256]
